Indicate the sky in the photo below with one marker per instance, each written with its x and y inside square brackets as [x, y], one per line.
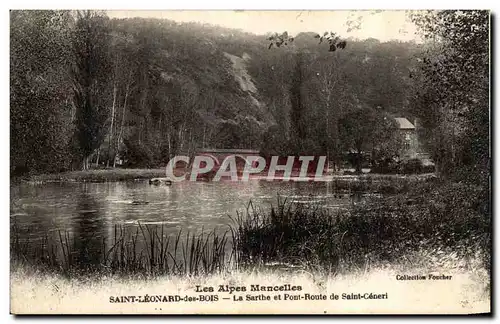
[382, 25]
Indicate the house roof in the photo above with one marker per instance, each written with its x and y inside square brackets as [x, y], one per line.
[404, 123]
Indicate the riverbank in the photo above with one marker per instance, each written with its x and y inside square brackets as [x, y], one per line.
[101, 175]
[465, 292]
[119, 174]
[447, 218]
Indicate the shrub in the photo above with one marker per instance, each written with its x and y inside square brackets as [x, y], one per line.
[138, 156]
[386, 166]
[431, 168]
[411, 166]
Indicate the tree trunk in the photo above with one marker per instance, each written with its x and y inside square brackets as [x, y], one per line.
[85, 163]
[359, 160]
[359, 164]
[327, 129]
[110, 136]
[97, 159]
[296, 98]
[122, 122]
[169, 145]
[203, 140]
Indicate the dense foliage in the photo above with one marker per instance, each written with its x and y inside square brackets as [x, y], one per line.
[86, 88]
[39, 91]
[452, 91]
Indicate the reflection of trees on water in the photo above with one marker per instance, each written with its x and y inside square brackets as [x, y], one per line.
[87, 247]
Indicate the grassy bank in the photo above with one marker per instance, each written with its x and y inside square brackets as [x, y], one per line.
[379, 183]
[366, 182]
[101, 175]
[448, 219]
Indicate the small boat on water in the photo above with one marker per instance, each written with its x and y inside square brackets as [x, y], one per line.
[160, 181]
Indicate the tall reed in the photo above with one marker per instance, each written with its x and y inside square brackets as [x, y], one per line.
[144, 249]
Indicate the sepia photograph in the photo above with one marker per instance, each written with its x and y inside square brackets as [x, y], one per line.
[250, 162]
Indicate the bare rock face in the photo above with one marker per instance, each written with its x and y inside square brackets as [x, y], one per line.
[240, 72]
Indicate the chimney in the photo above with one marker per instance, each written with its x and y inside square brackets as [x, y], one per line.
[415, 123]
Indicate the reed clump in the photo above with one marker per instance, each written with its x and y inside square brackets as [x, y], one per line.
[144, 250]
[446, 219]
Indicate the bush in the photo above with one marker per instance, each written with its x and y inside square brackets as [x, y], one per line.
[428, 168]
[138, 156]
[411, 166]
[385, 166]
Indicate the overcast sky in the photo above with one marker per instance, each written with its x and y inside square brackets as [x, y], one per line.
[384, 25]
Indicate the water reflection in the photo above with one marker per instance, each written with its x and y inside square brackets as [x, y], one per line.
[87, 226]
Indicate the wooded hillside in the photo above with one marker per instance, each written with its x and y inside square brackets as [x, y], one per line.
[85, 88]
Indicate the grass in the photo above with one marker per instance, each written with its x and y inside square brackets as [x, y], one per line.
[145, 250]
[366, 182]
[383, 184]
[447, 219]
[101, 175]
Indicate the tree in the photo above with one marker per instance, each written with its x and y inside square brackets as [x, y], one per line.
[167, 87]
[40, 89]
[297, 111]
[90, 44]
[123, 53]
[365, 131]
[388, 141]
[334, 97]
[452, 100]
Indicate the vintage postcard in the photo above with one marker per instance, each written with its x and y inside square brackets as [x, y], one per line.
[250, 162]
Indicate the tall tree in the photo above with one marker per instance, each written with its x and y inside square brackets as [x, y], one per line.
[40, 89]
[300, 143]
[453, 97]
[365, 131]
[91, 90]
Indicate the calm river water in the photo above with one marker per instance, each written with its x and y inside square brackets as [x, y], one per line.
[90, 211]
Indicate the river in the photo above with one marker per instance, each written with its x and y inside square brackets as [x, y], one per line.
[88, 212]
